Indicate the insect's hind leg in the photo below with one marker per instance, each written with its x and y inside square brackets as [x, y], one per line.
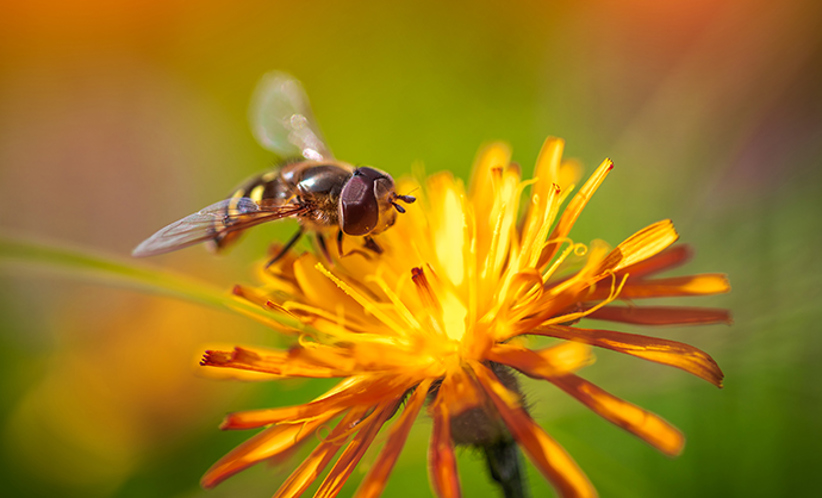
[288, 245]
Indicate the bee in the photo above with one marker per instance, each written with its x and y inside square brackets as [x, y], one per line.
[321, 192]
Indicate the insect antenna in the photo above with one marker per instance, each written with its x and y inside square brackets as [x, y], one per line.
[408, 199]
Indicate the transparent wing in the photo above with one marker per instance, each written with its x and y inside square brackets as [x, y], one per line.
[282, 121]
[229, 215]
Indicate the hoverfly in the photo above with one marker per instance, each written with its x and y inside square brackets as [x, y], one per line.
[322, 193]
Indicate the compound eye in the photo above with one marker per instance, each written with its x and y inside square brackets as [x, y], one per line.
[359, 209]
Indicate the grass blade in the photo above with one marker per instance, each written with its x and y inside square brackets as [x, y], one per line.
[109, 270]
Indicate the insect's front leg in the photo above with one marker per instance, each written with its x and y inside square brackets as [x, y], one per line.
[352, 251]
[372, 245]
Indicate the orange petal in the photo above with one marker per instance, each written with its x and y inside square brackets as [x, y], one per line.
[640, 246]
[449, 229]
[546, 173]
[494, 157]
[365, 392]
[356, 290]
[252, 419]
[546, 363]
[297, 362]
[374, 482]
[548, 456]
[316, 288]
[691, 285]
[310, 468]
[671, 257]
[672, 353]
[497, 232]
[355, 450]
[274, 441]
[571, 213]
[442, 464]
[559, 296]
[570, 172]
[646, 425]
[649, 427]
[661, 315]
[243, 295]
[547, 167]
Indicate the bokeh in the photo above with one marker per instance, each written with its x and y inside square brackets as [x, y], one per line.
[119, 117]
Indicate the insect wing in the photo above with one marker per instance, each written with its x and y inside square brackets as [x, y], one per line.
[282, 121]
[225, 216]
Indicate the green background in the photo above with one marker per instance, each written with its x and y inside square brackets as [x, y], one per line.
[117, 119]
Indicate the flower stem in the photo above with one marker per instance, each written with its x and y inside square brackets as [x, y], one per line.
[16, 252]
[504, 463]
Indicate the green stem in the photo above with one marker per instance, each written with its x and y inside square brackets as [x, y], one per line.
[111, 271]
[505, 464]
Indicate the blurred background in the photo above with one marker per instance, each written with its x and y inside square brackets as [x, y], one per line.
[117, 118]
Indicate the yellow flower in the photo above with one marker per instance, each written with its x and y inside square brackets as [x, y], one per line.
[442, 315]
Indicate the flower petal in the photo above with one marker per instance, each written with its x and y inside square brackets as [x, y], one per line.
[442, 463]
[549, 362]
[690, 285]
[571, 213]
[640, 246]
[565, 295]
[311, 468]
[316, 288]
[672, 353]
[297, 362]
[570, 172]
[374, 482]
[274, 441]
[671, 257]
[490, 161]
[449, 230]
[548, 456]
[661, 315]
[355, 450]
[644, 424]
[366, 302]
[546, 171]
[365, 392]
[497, 234]
[546, 174]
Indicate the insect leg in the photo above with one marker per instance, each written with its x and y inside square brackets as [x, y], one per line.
[324, 248]
[372, 245]
[286, 247]
[352, 251]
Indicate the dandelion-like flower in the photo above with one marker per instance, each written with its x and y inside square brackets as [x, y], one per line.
[439, 322]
